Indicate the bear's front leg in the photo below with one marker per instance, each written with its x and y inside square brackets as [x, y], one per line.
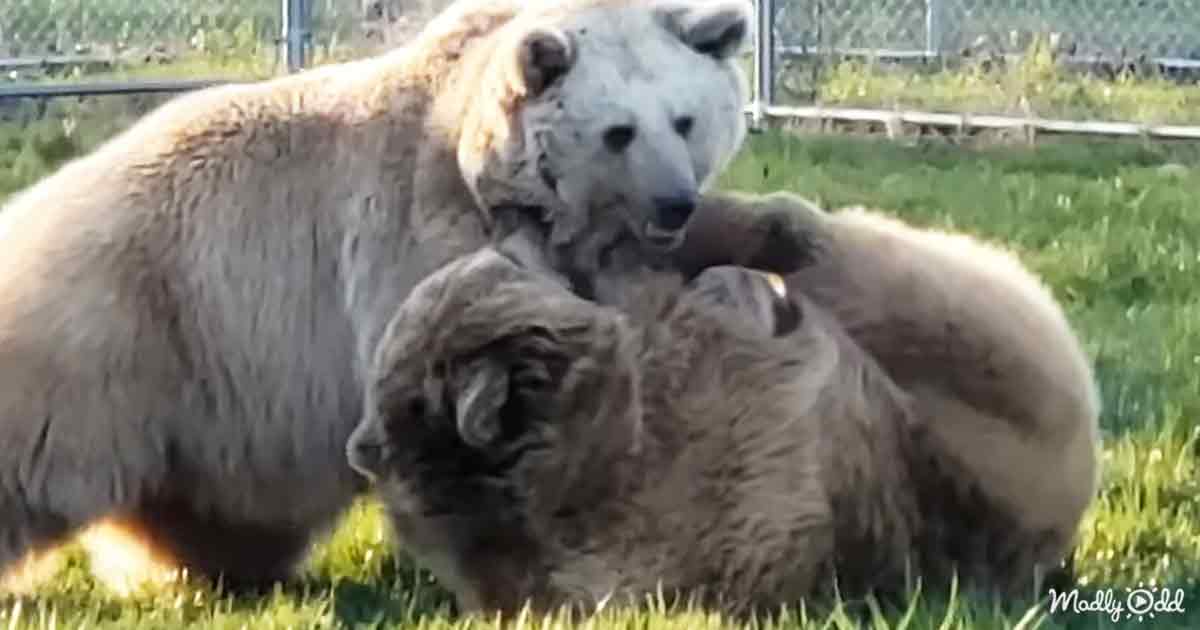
[521, 237]
[779, 233]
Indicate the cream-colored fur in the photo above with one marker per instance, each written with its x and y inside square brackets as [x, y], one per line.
[187, 312]
[557, 451]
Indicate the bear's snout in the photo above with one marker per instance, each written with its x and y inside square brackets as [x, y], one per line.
[673, 212]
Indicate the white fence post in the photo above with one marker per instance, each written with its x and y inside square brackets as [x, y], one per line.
[933, 29]
[764, 57]
[296, 30]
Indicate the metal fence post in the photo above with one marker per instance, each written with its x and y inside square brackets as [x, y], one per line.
[933, 28]
[296, 29]
[764, 57]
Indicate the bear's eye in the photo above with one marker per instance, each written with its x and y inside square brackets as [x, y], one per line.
[683, 125]
[618, 137]
[415, 407]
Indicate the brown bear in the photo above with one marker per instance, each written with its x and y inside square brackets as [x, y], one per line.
[913, 405]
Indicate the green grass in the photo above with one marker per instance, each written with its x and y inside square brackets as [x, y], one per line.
[1113, 227]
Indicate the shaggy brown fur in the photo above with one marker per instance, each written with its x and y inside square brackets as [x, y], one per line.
[187, 313]
[557, 451]
[672, 440]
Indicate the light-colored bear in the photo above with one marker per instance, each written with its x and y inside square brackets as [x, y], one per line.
[916, 405]
[187, 313]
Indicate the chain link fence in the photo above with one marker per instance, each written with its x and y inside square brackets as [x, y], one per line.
[55, 39]
[1072, 59]
[77, 40]
[375, 25]
[1166, 29]
[1117, 60]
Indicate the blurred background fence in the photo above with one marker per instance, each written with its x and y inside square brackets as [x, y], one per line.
[1132, 61]
[1055, 65]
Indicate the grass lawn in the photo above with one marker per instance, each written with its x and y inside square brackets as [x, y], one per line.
[1114, 228]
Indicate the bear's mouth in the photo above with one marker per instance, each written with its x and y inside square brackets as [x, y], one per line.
[659, 238]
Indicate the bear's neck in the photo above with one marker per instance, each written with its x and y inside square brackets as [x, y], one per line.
[641, 508]
[871, 476]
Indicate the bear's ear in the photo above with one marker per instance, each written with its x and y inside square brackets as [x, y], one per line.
[718, 28]
[543, 55]
[481, 391]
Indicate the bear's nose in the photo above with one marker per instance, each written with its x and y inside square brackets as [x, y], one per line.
[365, 456]
[673, 212]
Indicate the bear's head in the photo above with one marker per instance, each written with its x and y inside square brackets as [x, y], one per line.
[607, 115]
[522, 395]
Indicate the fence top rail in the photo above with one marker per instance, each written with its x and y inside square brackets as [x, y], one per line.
[17, 63]
[986, 121]
[103, 88]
